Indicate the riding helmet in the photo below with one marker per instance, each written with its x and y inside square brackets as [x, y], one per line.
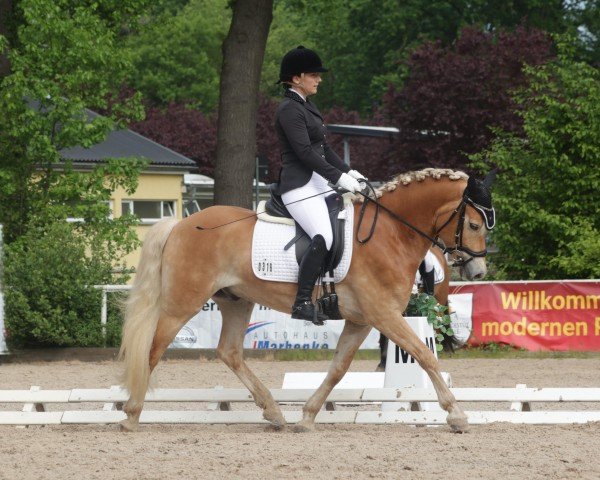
[297, 61]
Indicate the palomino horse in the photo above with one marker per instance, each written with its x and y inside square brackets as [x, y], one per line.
[440, 291]
[181, 267]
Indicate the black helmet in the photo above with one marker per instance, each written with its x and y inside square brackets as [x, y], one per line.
[297, 61]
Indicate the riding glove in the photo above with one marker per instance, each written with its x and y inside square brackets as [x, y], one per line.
[358, 176]
[348, 183]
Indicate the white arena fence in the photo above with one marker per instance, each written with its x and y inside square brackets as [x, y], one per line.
[39, 405]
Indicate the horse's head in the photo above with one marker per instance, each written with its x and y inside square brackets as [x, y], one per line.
[475, 218]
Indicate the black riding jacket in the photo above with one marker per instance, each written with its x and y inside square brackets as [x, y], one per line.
[303, 142]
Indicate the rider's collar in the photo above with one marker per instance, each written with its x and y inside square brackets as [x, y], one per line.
[290, 93]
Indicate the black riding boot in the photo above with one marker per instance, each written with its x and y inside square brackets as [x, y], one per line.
[427, 279]
[310, 267]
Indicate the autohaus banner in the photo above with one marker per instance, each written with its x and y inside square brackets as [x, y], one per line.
[543, 315]
[268, 329]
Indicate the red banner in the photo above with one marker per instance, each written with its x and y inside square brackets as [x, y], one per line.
[556, 315]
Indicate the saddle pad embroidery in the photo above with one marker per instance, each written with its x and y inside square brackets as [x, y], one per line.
[271, 262]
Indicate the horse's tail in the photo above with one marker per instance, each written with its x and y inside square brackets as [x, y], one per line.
[142, 311]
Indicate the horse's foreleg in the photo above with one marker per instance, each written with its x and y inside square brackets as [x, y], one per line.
[167, 328]
[236, 316]
[400, 332]
[351, 338]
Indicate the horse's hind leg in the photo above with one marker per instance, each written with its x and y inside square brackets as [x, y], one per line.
[236, 316]
[166, 329]
[351, 338]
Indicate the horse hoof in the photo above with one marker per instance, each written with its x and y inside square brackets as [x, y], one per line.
[128, 426]
[302, 427]
[275, 419]
[458, 424]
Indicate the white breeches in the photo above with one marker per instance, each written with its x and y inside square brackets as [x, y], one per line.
[312, 213]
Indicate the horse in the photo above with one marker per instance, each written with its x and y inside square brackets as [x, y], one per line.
[440, 291]
[208, 255]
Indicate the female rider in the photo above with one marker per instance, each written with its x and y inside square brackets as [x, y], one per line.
[308, 163]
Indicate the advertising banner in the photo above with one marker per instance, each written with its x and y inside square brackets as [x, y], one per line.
[543, 315]
[268, 329]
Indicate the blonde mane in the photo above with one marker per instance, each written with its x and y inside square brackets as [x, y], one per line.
[419, 176]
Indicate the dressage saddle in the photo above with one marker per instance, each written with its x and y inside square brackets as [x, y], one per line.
[335, 204]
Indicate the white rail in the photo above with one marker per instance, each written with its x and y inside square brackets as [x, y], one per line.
[218, 410]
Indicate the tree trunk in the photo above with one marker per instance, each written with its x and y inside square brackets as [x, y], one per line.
[7, 29]
[243, 53]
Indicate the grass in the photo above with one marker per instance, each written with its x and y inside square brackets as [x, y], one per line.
[506, 351]
[489, 351]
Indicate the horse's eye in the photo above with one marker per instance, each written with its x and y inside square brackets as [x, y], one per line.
[474, 226]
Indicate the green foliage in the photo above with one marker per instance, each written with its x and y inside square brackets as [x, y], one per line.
[178, 55]
[50, 300]
[547, 194]
[424, 305]
[365, 43]
[66, 58]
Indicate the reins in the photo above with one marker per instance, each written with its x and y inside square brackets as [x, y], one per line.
[459, 210]
[395, 216]
[369, 197]
[256, 214]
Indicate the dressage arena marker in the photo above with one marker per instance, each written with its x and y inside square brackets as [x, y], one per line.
[113, 398]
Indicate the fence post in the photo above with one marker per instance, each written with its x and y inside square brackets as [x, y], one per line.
[3, 348]
[104, 313]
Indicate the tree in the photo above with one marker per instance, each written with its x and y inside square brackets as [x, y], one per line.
[183, 129]
[66, 58]
[243, 52]
[547, 194]
[453, 95]
[177, 56]
[365, 43]
[7, 30]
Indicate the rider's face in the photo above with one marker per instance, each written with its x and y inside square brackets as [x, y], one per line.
[307, 83]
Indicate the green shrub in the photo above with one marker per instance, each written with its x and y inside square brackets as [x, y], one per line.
[50, 299]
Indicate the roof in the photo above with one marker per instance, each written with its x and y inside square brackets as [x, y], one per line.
[127, 143]
[362, 131]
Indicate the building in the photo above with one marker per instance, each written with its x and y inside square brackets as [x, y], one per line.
[161, 188]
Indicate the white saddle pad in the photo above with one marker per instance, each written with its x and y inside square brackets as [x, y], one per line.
[271, 262]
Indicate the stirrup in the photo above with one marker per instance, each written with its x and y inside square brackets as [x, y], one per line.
[328, 304]
[308, 311]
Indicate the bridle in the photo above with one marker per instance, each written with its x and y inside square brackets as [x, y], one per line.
[460, 210]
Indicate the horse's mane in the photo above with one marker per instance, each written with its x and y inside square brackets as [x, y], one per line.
[419, 175]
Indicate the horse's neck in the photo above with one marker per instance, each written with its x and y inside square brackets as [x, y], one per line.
[421, 202]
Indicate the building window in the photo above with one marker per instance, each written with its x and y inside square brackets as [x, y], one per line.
[190, 207]
[148, 211]
[81, 219]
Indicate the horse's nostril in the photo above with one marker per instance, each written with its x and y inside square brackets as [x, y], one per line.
[478, 276]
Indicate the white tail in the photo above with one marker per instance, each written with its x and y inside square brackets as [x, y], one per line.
[142, 311]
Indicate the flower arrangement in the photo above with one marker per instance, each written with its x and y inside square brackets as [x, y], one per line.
[424, 305]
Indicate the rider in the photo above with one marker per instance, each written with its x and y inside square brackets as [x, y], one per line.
[308, 163]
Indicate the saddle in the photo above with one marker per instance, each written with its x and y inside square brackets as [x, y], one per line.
[275, 208]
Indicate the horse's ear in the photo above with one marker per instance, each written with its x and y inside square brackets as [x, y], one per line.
[490, 178]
